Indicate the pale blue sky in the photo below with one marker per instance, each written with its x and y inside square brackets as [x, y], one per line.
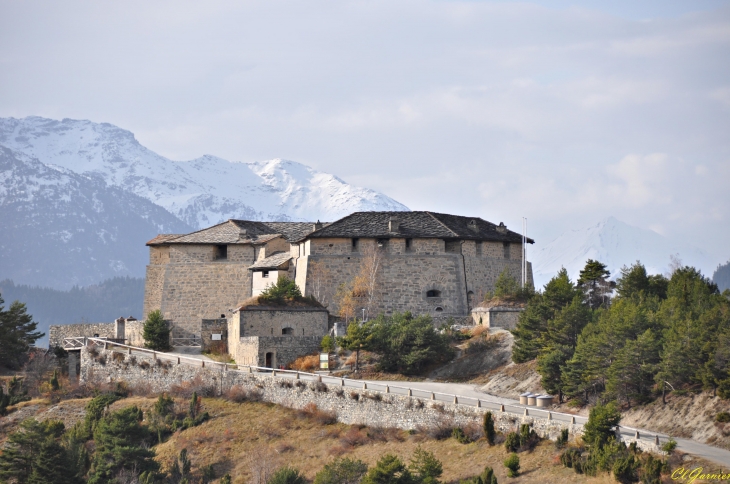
[564, 112]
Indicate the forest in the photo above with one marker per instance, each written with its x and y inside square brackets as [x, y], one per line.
[630, 341]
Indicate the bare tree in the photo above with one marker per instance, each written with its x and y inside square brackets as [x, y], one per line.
[320, 280]
[262, 463]
[367, 279]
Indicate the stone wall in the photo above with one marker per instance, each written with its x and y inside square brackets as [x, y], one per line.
[209, 327]
[497, 317]
[283, 350]
[352, 406]
[56, 333]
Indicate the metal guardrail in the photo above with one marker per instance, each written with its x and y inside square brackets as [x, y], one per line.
[517, 411]
[192, 342]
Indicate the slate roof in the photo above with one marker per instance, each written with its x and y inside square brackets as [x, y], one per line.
[238, 232]
[272, 262]
[416, 225]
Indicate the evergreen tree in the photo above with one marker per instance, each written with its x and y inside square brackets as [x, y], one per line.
[594, 283]
[52, 465]
[634, 282]
[389, 470]
[121, 444]
[356, 339]
[601, 425]
[287, 475]
[17, 333]
[284, 289]
[550, 366]
[156, 332]
[22, 452]
[631, 375]
[530, 333]
[342, 471]
[426, 468]
[488, 426]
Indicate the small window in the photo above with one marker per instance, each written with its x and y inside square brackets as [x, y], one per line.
[287, 331]
[409, 245]
[223, 316]
[355, 242]
[264, 273]
[505, 248]
[221, 252]
[439, 309]
[433, 293]
[479, 248]
[382, 243]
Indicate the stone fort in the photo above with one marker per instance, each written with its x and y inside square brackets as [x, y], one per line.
[428, 263]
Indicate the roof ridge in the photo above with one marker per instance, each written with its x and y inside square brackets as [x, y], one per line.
[439, 221]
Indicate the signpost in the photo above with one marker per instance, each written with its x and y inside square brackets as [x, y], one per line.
[324, 361]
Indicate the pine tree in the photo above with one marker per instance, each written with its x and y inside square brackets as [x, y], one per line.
[20, 455]
[426, 468]
[594, 283]
[17, 333]
[631, 375]
[602, 420]
[51, 465]
[388, 470]
[121, 443]
[488, 426]
[156, 332]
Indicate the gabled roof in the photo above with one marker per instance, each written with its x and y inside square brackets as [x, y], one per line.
[416, 224]
[274, 261]
[238, 232]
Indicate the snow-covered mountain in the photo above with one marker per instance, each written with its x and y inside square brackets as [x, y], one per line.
[616, 244]
[59, 229]
[200, 192]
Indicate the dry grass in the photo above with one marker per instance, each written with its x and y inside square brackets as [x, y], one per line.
[236, 432]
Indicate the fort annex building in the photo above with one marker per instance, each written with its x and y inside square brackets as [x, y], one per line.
[428, 263]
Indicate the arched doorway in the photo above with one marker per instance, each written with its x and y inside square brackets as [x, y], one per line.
[269, 360]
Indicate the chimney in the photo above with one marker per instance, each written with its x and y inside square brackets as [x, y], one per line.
[393, 224]
[472, 225]
[317, 226]
[502, 228]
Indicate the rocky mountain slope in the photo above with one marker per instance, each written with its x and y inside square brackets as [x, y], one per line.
[614, 243]
[78, 199]
[61, 229]
[199, 192]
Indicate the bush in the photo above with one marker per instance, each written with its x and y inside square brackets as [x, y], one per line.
[512, 442]
[287, 475]
[426, 467]
[723, 417]
[488, 426]
[460, 436]
[669, 446]
[601, 423]
[388, 470]
[307, 363]
[342, 471]
[571, 459]
[312, 412]
[327, 344]
[284, 289]
[624, 469]
[562, 439]
[156, 332]
[239, 394]
[512, 463]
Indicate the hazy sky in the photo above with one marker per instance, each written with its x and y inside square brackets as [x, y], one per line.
[560, 111]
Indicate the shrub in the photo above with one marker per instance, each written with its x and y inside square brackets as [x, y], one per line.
[389, 469]
[342, 471]
[312, 412]
[355, 396]
[353, 438]
[723, 417]
[285, 383]
[327, 344]
[306, 363]
[601, 423]
[156, 332]
[284, 289]
[426, 467]
[562, 439]
[528, 437]
[473, 431]
[319, 387]
[624, 469]
[512, 442]
[488, 426]
[287, 475]
[239, 394]
[458, 434]
[440, 429]
[512, 463]
[669, 446]
[571, 459]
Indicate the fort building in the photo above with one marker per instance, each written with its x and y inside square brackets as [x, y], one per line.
[425, 262]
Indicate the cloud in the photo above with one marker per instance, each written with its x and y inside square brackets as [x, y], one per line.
[498, 109]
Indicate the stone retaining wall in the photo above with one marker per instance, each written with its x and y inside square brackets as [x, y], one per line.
[56, 333]
[352, 406]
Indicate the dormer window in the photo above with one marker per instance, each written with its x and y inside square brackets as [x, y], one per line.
[221, 252]
[264, 273]
[433, 293]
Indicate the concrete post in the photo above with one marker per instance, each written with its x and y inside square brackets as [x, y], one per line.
[656, 440]
[456, 400]
[526, 413]
[250, 370]
[433, 396]
[550, 415]
[129, 351]
[637, 436]
[364, 386]
[273, 373]
[501, 408]
[202, 365]
[572, 420]
[297, 377]
[387, 389]
[319, 378]
[178, 360]
[342, 382]
[410, 392]
[479, 403]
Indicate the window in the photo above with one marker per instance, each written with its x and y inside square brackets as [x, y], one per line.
[221, 252]
[382, 243]
[409, 245]
[433, 293]
[264, 273]
[439, 309]
[354, 244]
[479, 248]
[505, 248]
[287, 331]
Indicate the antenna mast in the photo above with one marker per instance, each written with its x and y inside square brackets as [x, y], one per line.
[524, 251]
